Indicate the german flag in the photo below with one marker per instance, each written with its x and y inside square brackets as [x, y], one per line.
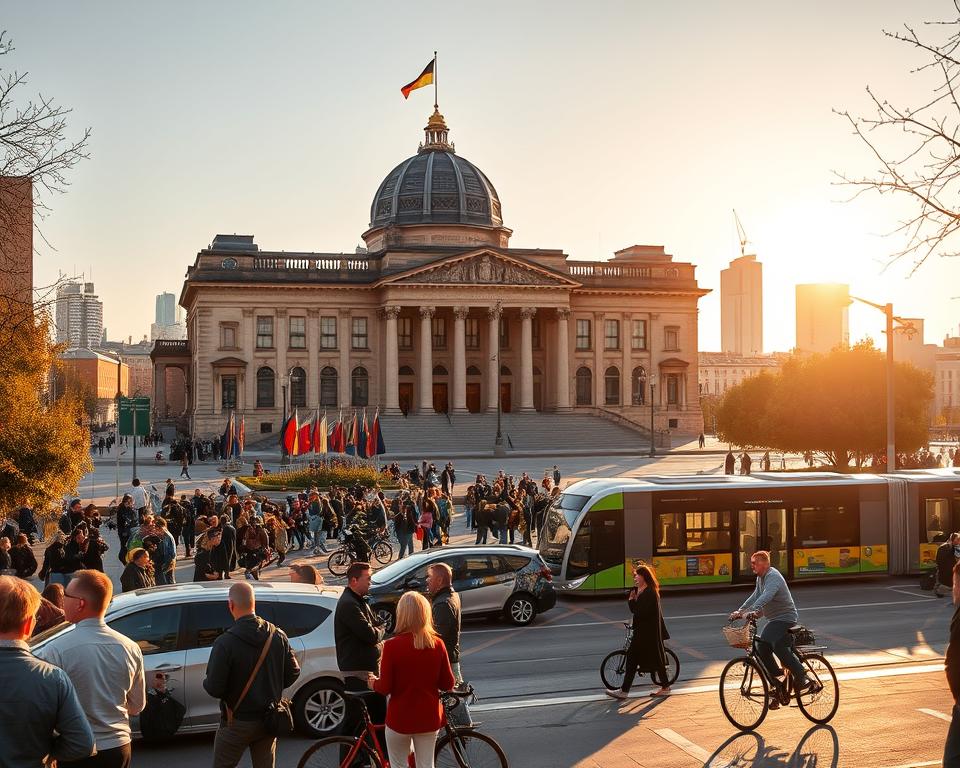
[425, 78]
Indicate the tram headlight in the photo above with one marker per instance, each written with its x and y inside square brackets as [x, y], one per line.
[575, 583]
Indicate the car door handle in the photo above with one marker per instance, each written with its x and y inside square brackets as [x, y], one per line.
[168, 668]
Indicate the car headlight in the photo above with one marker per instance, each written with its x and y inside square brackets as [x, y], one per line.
[575, 583]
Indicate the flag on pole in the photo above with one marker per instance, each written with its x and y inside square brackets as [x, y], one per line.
[371, 448]
[350, 438]
[381, 448]
[290, 435]
[305, 437]
[336, 435]
[362, 433]
[228, 437]
[425, 78]
[320, 435]
[240, 438]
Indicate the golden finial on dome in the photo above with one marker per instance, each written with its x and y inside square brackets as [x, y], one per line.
[436, 132]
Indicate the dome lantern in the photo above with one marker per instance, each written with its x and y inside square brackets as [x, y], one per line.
[435, 134]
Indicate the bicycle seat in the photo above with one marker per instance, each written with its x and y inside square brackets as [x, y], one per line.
[796, 628]
[465, 693]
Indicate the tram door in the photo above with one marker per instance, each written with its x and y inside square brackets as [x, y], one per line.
[761, 529]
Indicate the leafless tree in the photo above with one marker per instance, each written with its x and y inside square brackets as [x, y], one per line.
[918, 147]
[36, 154]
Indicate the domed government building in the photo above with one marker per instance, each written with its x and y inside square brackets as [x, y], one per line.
[436, 315]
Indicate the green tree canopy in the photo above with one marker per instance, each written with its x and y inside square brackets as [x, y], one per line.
[833, 404]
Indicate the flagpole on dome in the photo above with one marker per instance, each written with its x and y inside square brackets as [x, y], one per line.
[435, 99]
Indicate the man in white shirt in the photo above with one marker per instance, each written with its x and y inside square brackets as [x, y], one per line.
[105, 667]
[139, 494]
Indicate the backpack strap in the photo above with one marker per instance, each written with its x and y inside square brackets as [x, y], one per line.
[256, 668]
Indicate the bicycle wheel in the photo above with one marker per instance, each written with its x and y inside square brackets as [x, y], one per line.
[383, 552]
[612, 669]
[673, 668]
[334, 751]
[743, 693]
[339, 561]
[820, 707]
[469, 749]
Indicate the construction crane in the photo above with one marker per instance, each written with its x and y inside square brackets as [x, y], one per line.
[741, 234]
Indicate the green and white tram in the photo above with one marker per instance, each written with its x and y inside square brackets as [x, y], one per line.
[702, 529]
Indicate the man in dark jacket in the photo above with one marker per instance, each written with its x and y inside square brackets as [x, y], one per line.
[446, 613]
[137, 573]
[232, 660]
[946, 560]
[359, 639]
[448, 479]
[729, 463]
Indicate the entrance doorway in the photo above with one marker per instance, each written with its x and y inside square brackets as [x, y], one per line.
[405, 396]
[473, 397]
[440, 397]
[761, 529]
[505, 396]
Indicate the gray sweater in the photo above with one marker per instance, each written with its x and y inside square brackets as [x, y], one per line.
[772, 598]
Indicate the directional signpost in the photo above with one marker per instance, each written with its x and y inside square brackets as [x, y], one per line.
[134, 419]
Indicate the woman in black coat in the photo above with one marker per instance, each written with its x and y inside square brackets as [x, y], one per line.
[646, 653]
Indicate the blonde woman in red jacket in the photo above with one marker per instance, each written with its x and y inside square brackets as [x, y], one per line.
[413, 670]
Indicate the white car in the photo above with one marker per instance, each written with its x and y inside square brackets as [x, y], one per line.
[175, 626]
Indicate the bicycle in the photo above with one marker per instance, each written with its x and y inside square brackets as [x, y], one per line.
[614, 664]
[459, 746]
[341, 558]
[746, 685]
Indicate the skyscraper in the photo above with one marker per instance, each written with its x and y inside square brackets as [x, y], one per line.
[166, 309]
[741, 307]
[822, 316]
[78, 316]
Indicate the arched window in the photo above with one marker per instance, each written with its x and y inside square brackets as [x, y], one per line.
[639, 383]
[266, 388]
[584, 386]
[611, 386]
[360, 389]
[405, 370]
[439, 370]
[328, 387]
[504, 371]
[473, 371]
[298, 388]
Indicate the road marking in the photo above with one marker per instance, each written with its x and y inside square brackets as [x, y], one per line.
[698, 753]
[934, 713]
[912, 594]
[919, 765]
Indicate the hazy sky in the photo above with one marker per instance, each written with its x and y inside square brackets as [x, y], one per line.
[601, 124]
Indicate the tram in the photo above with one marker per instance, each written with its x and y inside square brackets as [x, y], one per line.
[702, 529]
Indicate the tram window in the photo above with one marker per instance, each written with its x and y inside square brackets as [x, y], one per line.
[578, 564]
[669, 535]
[937, 514]
[826, 527]
[708, 531]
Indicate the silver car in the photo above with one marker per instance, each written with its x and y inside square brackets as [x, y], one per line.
[175, 626]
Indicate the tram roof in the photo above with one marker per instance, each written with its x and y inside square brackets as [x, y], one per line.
[757, 480]
[946, 474]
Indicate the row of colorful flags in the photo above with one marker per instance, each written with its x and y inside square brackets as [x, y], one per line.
[354, 437]
[233, 437]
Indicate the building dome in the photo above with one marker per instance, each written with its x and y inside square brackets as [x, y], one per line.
[436, 186]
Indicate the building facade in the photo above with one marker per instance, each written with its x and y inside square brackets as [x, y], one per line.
[719, 371]
[436, 314]
[78, 316]
[741, 307]
[96, 378]
[822, 317]
[16, 245]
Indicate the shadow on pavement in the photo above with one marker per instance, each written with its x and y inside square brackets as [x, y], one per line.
[819, 747]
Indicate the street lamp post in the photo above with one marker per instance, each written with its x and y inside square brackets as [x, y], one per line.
[284, 457]
[653, 445]
[117, 430]
[498, 449]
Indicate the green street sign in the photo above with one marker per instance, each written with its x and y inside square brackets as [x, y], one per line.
[129, 406]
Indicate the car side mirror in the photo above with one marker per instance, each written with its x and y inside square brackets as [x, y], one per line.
[413, 584]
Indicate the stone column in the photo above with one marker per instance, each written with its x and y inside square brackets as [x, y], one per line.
[626, 372]
[460, 359]
[599, 384]
[426, 360]
[343, 343]
[493, 355]
[313, 353]
[160, 389]
[281, 340]
[526, 358]
[392, 364]
[249, 345]
[563, 359]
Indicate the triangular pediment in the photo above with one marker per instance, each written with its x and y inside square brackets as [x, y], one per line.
[481, 268]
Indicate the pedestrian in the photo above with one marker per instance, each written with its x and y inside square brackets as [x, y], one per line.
[301, 573]
[92, 557]
[105, 666]
[50, 612]
[22, 559]
[167, 555]
[250, 666]
[139, 495]
[646, 652]
[39, 701]
[206, 565]
[426, 522]
[729, 463]
[138, 573]
[556, 476]
[448, 479]
[414, 670]
[765, 461]
[946, 560]
[127, 520]
[951, 750]
[184, 465]
[359, 640]
[702, 440]
[225, 555]
[445, 603]
[6, 563]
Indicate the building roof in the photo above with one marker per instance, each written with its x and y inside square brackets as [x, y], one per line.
[79, 353]
[724, 358]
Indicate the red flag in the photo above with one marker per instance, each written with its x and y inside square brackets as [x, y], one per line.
[371, 447]
[305, 438]
[291, 436]
[336, 437]
[240, 437]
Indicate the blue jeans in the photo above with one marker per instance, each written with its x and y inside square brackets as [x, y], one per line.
[406, 544]
[319, 538]
[503, 535]
[468, 514]
[776, 640]
[951, 750]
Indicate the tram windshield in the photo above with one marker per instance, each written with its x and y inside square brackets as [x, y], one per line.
[561, 516]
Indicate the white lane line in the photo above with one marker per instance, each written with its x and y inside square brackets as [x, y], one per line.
[912, 594]
[934, 713]
[698, 753]
[919, 764]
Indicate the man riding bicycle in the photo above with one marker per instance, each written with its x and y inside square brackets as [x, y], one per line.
[772, 599]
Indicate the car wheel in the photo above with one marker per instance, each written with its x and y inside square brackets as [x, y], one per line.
[320, 708]
[385, 614]
[521, 609]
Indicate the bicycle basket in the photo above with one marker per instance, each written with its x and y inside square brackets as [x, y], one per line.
[739, 637]
[804, 637]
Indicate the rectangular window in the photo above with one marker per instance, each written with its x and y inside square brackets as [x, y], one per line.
[472, 330]
[535, 333]
[504, 333]
[707, 531]
[298, 333]
[673, 389]
[668, 535]
[438, 328]
[404, 333]
[937, 521]
[359, 333]
[826, 526]
[638, 338]
[583, 334]
[228, 392]
[328, 333]
[671, 338]
[228, 336]
[264, 333]
[611, 336]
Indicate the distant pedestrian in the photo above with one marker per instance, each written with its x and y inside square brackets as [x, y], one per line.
[951, 751]
[765, 461]
[139, 495]
[702, 440]
[247, 681]
[22, 559]
[105, 666]
[305, 574]
[39, 700]
[138, 573]
[414, 670]
[184, 466]
[556, 476]
[729, 463]
[946, 561]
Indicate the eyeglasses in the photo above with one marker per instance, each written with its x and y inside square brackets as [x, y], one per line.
[74, 597]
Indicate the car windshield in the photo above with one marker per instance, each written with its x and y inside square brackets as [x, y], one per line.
[48, 633]
[561, 516]
[392, 571]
